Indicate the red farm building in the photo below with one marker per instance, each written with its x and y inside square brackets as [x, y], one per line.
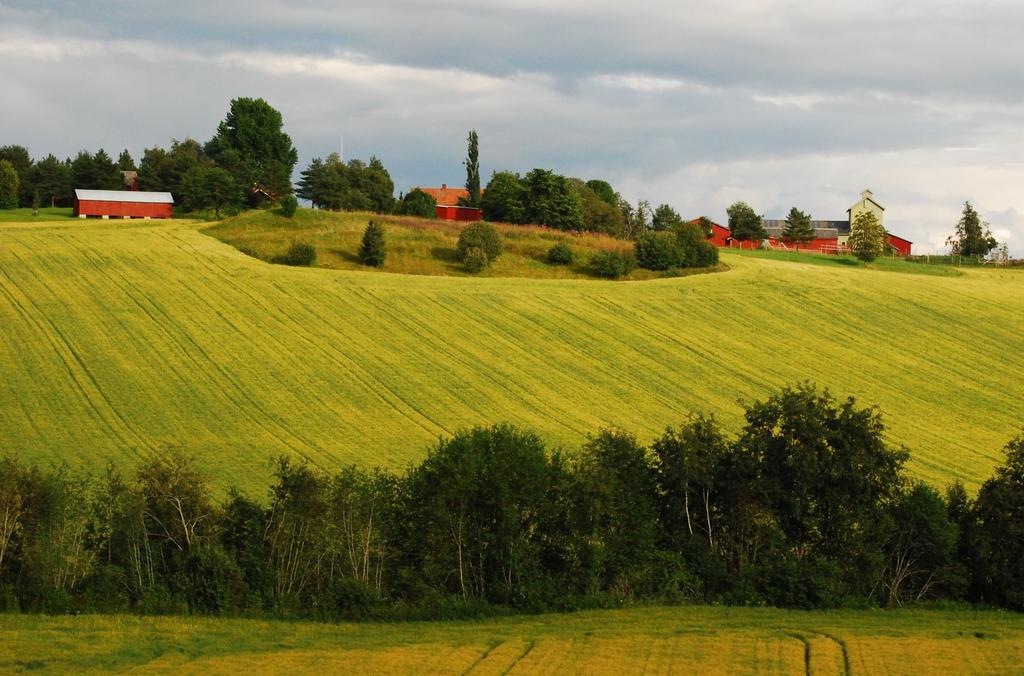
[448, 208]
[122, 204]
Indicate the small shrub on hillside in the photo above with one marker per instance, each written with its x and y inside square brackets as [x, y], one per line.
[481, 236]
[612, 264]
[372, 250]
[696, 250]
[658, 251]
[299, 254]
[560, 254]
[475, 260]
[289, 205]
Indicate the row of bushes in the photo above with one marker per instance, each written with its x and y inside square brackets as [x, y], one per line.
[807, 507]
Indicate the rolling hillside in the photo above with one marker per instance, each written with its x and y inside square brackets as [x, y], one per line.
[118, 338]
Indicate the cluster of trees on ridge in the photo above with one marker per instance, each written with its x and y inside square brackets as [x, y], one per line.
[807, 507]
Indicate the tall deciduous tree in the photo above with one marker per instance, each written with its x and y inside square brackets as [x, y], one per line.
[972, 236]
[473, 169]
[505, 198]
[867, 237]
[665, 218]
[8, 185]
[22, 162]
[999, 532]
[551, 200]
[251, 143]
[798, 228]
[745, 224]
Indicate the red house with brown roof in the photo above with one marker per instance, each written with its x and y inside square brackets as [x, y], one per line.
[448, 208]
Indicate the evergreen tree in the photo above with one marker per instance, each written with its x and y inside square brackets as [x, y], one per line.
[971, 236]
[52, 179]
[745, 224]
[473, 170]
[798, 228]
[373, 250]
[867, 237]
[125, 161]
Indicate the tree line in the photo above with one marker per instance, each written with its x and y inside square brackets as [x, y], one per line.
[807, 507]
[248, 160]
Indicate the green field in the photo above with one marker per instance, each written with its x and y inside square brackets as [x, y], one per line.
[122, 337]
[650, 640]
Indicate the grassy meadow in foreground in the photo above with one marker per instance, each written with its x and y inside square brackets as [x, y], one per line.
[120, 337]
[642, 640]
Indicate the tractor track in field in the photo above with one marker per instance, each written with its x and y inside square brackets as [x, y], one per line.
[325, 348]
[57, 341]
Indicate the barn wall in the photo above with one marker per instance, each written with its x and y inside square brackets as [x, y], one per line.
[452, 213]
[122, 209]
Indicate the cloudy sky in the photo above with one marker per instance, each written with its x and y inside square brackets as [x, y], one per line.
[777, 102]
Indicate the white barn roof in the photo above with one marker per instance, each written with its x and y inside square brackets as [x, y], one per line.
[124, 196]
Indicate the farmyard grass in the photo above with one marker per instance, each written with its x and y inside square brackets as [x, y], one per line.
[641, 640]
[123, 337]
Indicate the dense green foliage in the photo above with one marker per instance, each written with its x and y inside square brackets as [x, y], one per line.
[503, 200]
[972, 236]
[552, 200]
[351, 186]
[867, 237]
[207, 186]
[372, 248]
[612, 264]
[561, 254]
[598, 214]
[808, 507]
[52, 178]
[417, 203]
[798, 228]
[21, 162]
[476, 240]
[744, 223]
[251, 144]
[8, 185]
[684, 246]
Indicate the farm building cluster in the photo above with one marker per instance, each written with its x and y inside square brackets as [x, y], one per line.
[830, 237]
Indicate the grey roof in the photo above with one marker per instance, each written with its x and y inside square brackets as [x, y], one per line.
[124, 196]
[822, 229]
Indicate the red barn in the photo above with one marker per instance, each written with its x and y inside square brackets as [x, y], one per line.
[122, 204]
[448, 208]
[902, 246]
